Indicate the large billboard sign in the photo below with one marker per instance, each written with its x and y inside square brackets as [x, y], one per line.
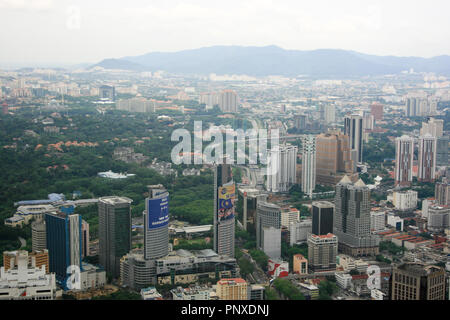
[158, 212]
[227, 195]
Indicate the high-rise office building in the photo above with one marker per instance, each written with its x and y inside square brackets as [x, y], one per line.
[415, 281]
[268, 215]
[442, 151]
[114, 230]
[404, 154]
[84, 239]
[438, 218]
[442, 192]
[376, 109]
[427, 158]
[333, 158]
[309, 164]
[224, 210]
[63, 243]
[329, 113]
[271, 242]
[322, 252]
[156, 223]
[322, 217]
[352, 219]
[228, 101]
[281, 168]
[107, 93]
[353, 128]
[38, 236]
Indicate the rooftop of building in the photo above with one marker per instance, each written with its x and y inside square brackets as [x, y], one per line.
[231, 281]
[115, 200]
[419, 268]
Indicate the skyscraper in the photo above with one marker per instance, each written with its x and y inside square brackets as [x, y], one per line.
[84, 239]
[224, 197]
[309, 165]
[442, 192]
[329, 113]
[281, 168]
[38, 236]
[376, 109]
[63, 237]
[228, 101]
[427, 158]
[156, 223]
[404, 153]
[114, 230]
[352, 219]
[415, 281]
[322, 217]
[353, 128]
[322, 252]
[442, 151]
[333, 158]
[268, 216]
[434, 127]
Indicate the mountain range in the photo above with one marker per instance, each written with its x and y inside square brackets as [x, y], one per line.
[273, 60]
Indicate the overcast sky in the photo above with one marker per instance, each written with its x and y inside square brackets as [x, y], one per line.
[63, 32]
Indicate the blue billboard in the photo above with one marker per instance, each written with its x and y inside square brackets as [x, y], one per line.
[158, 212]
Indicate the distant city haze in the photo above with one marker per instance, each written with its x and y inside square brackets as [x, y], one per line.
[52, 33]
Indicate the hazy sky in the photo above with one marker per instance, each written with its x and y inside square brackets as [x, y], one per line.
[61, 32]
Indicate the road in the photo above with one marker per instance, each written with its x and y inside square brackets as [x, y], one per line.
[23, 242]
[258, 276]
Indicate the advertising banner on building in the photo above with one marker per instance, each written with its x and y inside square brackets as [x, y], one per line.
[227, 195]
[158, 212]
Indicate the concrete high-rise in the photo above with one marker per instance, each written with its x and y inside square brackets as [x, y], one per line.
[308, 164]
[268, 215]
[433, 127]
[442, 151]
[38, 236]
[427, 158]
[85, 239]
[333, 158]
[322, 252]
[353, 128]
[442, 192]
[156, 223]
[415, 281]
[228, 101]
[404, 154]
[281, 168]
[322, 217]
[376, 109]
[329, 114]
[224, 210]
[114, 230]
[352, 219]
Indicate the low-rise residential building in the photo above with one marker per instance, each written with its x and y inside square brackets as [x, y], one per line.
[191, 293]
[150, 293]
[300, 264]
